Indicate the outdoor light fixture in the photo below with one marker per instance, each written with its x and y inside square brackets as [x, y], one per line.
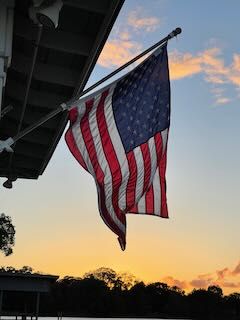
[46, 12]
[8, 183]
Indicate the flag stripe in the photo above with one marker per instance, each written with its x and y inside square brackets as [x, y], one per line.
[157, 191]
[89, 143]
[79, 141]
[111, 157]
[162, 169]
[149, 198]
[140, 174]
[119, 150]
[147, 166]
[132, 181]
[71, 142]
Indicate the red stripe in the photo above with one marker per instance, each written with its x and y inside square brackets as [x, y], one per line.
[134, 209]
[72, 115]
[132, 181]
[89, 143]
[74, 148]
[70, 140]
[158, 146]
[162, 172]
[149, 200]
[111, 156]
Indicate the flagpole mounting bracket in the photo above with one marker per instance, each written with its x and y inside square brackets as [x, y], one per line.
[6, 145]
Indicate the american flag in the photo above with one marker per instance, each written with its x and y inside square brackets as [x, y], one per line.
[119, 135]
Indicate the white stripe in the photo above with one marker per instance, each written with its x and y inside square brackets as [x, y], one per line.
[141, 205]
[77, 134]
[153, 157]
[157, 193]
[103, 163]
[119, 149]
[164, 135]
[140, 173]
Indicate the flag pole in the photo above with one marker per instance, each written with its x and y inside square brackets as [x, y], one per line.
[6, 144]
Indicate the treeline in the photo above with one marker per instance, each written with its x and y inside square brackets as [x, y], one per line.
[104, 293]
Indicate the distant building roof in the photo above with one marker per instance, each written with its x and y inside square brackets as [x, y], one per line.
[26, 282]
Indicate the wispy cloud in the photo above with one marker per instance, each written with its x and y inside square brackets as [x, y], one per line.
[225, 278]
[118, 51]
[175, 282]
[121, 47]
[125, 43]
[137, 20]
[211, 65]
[236, 270]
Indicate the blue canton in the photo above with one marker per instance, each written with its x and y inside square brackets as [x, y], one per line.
[141, 101]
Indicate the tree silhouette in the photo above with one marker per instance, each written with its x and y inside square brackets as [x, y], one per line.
[105, 293]
[7, 234]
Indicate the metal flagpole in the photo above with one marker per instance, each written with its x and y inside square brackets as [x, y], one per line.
[6, 144]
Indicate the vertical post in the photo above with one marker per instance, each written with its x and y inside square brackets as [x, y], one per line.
[37, 305]
[1, 301]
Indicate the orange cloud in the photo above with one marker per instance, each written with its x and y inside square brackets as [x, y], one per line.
[235, 75]
[137, 22]
[174, 282]
[183, 65]
[200, 283]
[117, 52]
[225, 278]
[207, 62]
[236, 270]
[222, 273]
[210, 64]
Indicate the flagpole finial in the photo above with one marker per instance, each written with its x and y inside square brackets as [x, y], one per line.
[174, 33]
[178, 31]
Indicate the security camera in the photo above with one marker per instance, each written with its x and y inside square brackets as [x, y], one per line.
[46, 12]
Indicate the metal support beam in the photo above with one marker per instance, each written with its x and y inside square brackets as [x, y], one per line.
[1, 301]
[37, 305]
[6, 31]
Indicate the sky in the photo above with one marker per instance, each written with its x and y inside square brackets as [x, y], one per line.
[58, 226]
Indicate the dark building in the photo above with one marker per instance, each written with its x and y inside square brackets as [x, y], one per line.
[26, 290]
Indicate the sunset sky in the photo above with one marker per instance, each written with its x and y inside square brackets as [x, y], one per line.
[58, 227]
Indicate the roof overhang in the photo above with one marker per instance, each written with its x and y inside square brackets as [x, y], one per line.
[65, 59]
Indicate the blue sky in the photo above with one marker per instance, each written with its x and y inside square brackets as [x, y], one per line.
[58, 225]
